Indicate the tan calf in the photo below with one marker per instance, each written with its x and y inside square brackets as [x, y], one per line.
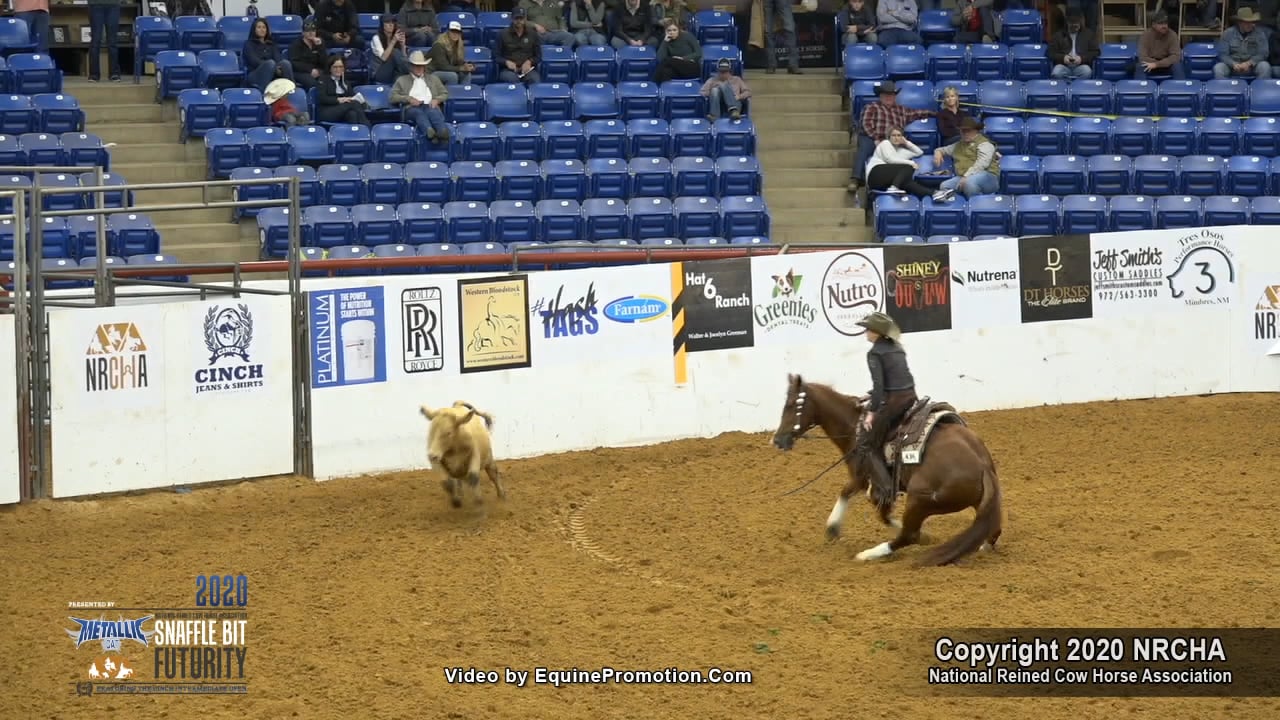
[458, 443]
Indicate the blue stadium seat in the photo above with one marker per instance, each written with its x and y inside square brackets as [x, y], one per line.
[1226, 210]
[1155, 175]
[948, 62]
[696, 216]
[396, 250]
[486, 69]
[738, 176]
[199, 110]
[394, 143]
[422, 223]
[1047, 94]
[1110, 175]
[84, 150]
[513, 221]
[1001, 97]
[917, 94]
[196, 33]
[55, 239]
[1133, 136]
[110, 198]
[1176, 135]
[268, 147]
[220, 69]
[273, 232]
[1199, 58]
[17, 115]
[947, 218]
[861, 94]
[636, 64]
[308, 183]
[350, 252]
[897, 215]
[491, 25]
[465, 104]
[691, 137]
[1261, 136]
[989, 61]
[1092, 97]
[561, 220]
[11, 152]
[378, 104]
[924, 133]
[33, 73]
[1035, 215]
[1219, 136]
[243, 108]
[991, 215]
[1247, 175]
[474, 181]
[352, 144]
[597, 64]
[15, 36]
[176, 70]
[225, 150]
[1226, 96]
[734, 137]
[564, 140]
[559, 65]
[1029, 61]
[652, 176]
[564, 180]
[1135, 97]
[649, 138]
[935, 27]
[863, 61]
[1008, 132]
[551, 101]
[659, 242]
[605, 218]
[310, 144]
[1019, 174]
[58, 113]
[157, 259]
[1131, 212]
[478, 141]
[376, 224]
[607, 177]
[83, 231]
[606, 139]
[1089, 136]
[651, 217]
[1201, 175]
[903, 240]
[749, 240]
[1180, 98]
[906, 62]
[1264, 97]
[1022, 26]
[1265, 210]
[694, 176]
[744, 215]
[341, 184]
[253, 192]
[681, 99]
[638, 100]
[429, 182]
[384, 184]
[284, 28]
[151, 35]
[134, 234]
[705, 241]
[1046, 136]
[519, 180]
[1174, 211]
[1061, 175]
[714, 27]
[467, 222]
[42, 148]
[1115, 61]
[235, 32]
[441, 250]
[595, 100]
[521, 139]
[507, 101]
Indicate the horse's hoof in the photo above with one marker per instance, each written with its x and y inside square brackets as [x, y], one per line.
[880, 551]
[456, 502]
[833, 534]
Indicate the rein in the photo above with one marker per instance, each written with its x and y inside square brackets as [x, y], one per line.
[800, 398]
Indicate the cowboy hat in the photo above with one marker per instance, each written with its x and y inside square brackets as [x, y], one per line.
[417, 58]
[278, 88]
[968, 123]
[1247, 15]
[887, 88]
[883, 324]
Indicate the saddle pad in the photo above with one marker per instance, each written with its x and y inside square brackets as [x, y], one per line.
[913, 443]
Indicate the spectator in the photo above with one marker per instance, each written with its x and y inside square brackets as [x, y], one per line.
[588, 21]
[519, 51]
[422, 95]
[1073, 50]
[35, 13]
[449, 59]
[308, 56]
[679, 55]
[632, 26]
[104, 18]
[976, 161]
[725, 91]
[877, 119]
[418, 20]
[282, 111]
[339, 24]
[973, 21]
[1243, 49]
[390, 51]
[336, 100]
[262, 59]
[1207, 16]
[892, 168]
[949, 115]
[896, 23]
[1159, 51]
[547, 17]
[678, 10]
[857, 23]
[774, 9]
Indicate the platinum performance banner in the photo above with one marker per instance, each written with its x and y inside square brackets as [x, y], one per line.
[1096, 662]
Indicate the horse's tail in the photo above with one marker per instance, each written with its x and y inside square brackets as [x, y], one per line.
[985, 524]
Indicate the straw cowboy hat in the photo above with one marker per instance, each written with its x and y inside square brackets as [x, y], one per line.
[417, 58]
[278, 88]
[883, 324]
[1247, 15]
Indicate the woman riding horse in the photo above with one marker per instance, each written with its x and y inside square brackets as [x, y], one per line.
[892, 395]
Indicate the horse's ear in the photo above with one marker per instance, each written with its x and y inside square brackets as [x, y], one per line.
[797, 380]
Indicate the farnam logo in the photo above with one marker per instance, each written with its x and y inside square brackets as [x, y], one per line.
[1204, 270]
[985, 280]
[228, 333]
[116, 359]
[1266, 314]
[852, 288]
[785, 306]
[633, 309]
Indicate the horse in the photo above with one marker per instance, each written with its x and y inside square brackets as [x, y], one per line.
[458, 443]
[951, 470]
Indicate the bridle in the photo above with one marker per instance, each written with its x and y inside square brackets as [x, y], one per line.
[799, 429]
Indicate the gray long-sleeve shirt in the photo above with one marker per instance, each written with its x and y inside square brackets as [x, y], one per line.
[1235, 47]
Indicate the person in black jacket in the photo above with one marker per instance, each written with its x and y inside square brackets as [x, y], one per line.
[892, 395]
[309, 57]
[262, 58]
[339, 24]
[335, 96]
[519, 52]
[633, 25]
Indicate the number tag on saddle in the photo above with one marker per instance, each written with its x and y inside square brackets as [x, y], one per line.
[910, 457]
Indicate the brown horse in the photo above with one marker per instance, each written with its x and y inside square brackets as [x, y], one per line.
[954, 471]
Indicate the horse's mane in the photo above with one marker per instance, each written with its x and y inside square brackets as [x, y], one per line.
[832, 401]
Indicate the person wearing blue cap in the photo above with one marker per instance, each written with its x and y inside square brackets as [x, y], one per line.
[725, 92]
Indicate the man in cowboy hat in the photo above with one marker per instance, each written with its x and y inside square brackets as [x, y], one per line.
[892, 395]
[878, 118]
[1243, 48]
[422, 95]
[977, 163]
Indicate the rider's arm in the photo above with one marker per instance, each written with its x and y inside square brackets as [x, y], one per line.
[876, 366]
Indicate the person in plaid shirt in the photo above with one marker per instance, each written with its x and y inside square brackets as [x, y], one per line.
[878, 119]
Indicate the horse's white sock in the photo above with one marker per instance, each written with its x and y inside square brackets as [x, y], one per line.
[837, 512]
[879, 551]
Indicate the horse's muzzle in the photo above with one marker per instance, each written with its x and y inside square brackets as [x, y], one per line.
[784, 442]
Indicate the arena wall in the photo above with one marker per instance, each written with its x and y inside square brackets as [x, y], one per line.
[576, 359]
[10, 482]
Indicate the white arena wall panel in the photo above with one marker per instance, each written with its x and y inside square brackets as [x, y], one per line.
[10, 459]
[216, 402]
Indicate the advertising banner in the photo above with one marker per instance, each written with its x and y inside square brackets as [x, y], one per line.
[786, 293]
[1055, 277]
[711, 308]
[985, 291]
[917, 281]
[493, 329]
[348, 336]
[599, 313]
[1128, 272]
[853, 288]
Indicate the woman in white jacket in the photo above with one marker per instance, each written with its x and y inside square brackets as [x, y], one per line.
[892, 166]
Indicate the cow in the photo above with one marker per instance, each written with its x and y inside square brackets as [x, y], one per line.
[458, 443]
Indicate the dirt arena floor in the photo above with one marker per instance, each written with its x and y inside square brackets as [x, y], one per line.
[1151, 513]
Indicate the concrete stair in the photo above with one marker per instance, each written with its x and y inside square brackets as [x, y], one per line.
[147, 149]
[805, 153]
